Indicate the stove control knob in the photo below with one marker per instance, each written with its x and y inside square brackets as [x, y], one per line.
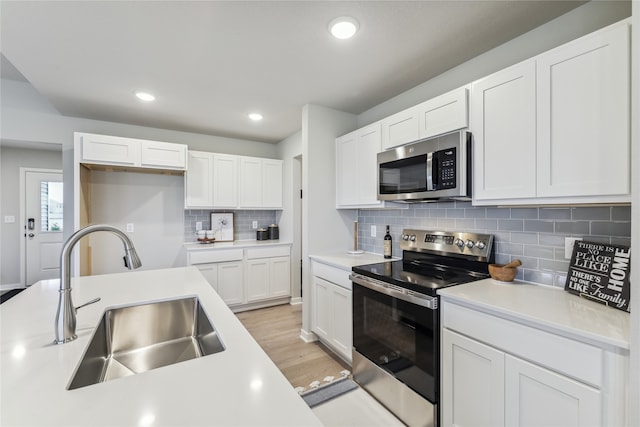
[480, 244]
[405, 237]
[412, 237]
[459, 243]
[470, 244]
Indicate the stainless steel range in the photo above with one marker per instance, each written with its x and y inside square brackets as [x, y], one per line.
[396, 321]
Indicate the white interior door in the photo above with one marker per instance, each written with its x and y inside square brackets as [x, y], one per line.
[43, 225]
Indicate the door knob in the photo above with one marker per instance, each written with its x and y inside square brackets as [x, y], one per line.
[32, 235]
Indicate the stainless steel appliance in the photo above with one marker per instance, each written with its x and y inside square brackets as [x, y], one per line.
[396, 320]
[432, 169]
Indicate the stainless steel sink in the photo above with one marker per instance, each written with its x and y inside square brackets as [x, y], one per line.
[138, 338]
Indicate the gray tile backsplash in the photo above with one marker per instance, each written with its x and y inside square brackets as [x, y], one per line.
[534, 235]
[242, 222]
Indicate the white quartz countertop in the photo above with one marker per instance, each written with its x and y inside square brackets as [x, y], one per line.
[239, 386]
[197, 246]
[545, 307]
[345, 260]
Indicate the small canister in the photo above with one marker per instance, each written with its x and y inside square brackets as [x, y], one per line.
[262, 234]
[274, 232]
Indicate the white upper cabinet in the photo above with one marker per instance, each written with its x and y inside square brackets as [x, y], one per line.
[444, 113]
[401, 128]
[163, 154]
[555, 129]
[503, 123]
[198, 180]
[129, 152]
[583, 116]
[260, 183]
[272, 183]
[225, 181]
[357, 169]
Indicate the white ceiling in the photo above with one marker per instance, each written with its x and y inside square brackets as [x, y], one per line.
[210, 63]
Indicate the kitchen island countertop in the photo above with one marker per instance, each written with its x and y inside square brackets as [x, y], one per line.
[236, 244]
[238, 386]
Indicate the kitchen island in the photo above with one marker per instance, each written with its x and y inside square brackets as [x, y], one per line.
[238, 386]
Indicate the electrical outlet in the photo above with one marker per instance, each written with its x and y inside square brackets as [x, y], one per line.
[130, 227]
[373, 231]
[198, 225]
[568, 246]
[254, 224]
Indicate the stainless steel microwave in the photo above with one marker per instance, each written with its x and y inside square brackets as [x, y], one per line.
[431, 169]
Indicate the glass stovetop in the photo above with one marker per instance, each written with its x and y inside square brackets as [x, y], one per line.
[420, 277]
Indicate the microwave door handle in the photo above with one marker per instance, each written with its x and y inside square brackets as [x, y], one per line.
[430, 172]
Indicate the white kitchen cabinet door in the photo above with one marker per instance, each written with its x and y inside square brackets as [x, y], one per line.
[210, 272]
[503, 123]
[535, 396]
[280, 277]
[199, 180]
[231, 282]
[322, 311]
[357, 168]
[250, 180]
[346, 170]
[401, 128]
[112, 150]
[583, 116]
[444, 113]
[472, 383]
[225, 181]
[257, 279]
[163, 155]
[272, 183]
[342, 327]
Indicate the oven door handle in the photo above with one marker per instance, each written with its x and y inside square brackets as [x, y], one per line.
[395, 292]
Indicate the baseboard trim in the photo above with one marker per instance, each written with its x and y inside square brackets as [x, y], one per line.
[307, 336]
[296, 301]
[10, 286]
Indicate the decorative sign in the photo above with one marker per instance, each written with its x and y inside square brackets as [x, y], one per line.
[600, 272]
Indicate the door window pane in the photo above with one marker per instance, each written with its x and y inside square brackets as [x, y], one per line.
[51, 206]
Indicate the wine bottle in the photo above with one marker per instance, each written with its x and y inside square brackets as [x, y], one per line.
[387, 244]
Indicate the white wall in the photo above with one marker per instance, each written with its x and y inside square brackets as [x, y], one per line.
[290, 151]
[148, 201]
[11, 160]
[324, 229]
[576, 23]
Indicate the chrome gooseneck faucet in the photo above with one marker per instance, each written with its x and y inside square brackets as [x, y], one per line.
[66, 314]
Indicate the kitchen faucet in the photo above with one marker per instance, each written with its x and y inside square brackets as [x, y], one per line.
[66, 315]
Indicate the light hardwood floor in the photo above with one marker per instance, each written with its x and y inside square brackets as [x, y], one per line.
[277, 330]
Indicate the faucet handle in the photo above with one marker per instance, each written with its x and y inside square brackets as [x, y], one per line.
[93, 301]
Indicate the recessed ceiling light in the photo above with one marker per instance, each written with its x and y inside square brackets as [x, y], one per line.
[344, 27]
[256, 117]
[145, 96]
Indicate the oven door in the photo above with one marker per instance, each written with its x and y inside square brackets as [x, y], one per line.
[398, 332]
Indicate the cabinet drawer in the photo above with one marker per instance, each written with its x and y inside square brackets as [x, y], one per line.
[203, 257]
[269, 252]
[332, 274]
[572, 358]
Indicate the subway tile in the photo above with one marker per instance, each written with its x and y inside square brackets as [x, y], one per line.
[560, 279]
[538, 226]
[438, 213]
[527, 262]
[554, 213]
[621, 213]
[591, 213]
[500, 236]
[536, 276]
[455, 213]
[447, 224]
[551, 239]
[509, 248]
[524, 213]
[555, 265]
[498, 213]
[607, 228]
[539, 251]
[624, 241]
[528, 238]
[572, 227]
[475, 212]
[510, 224]
[502, 258]
[487, 224]
[465, 225]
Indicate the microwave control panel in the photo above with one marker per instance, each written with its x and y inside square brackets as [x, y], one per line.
[447, 166]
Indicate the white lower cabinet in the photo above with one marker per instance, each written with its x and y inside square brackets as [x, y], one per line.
[332, 309]
[246, 278]
[498, 372]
